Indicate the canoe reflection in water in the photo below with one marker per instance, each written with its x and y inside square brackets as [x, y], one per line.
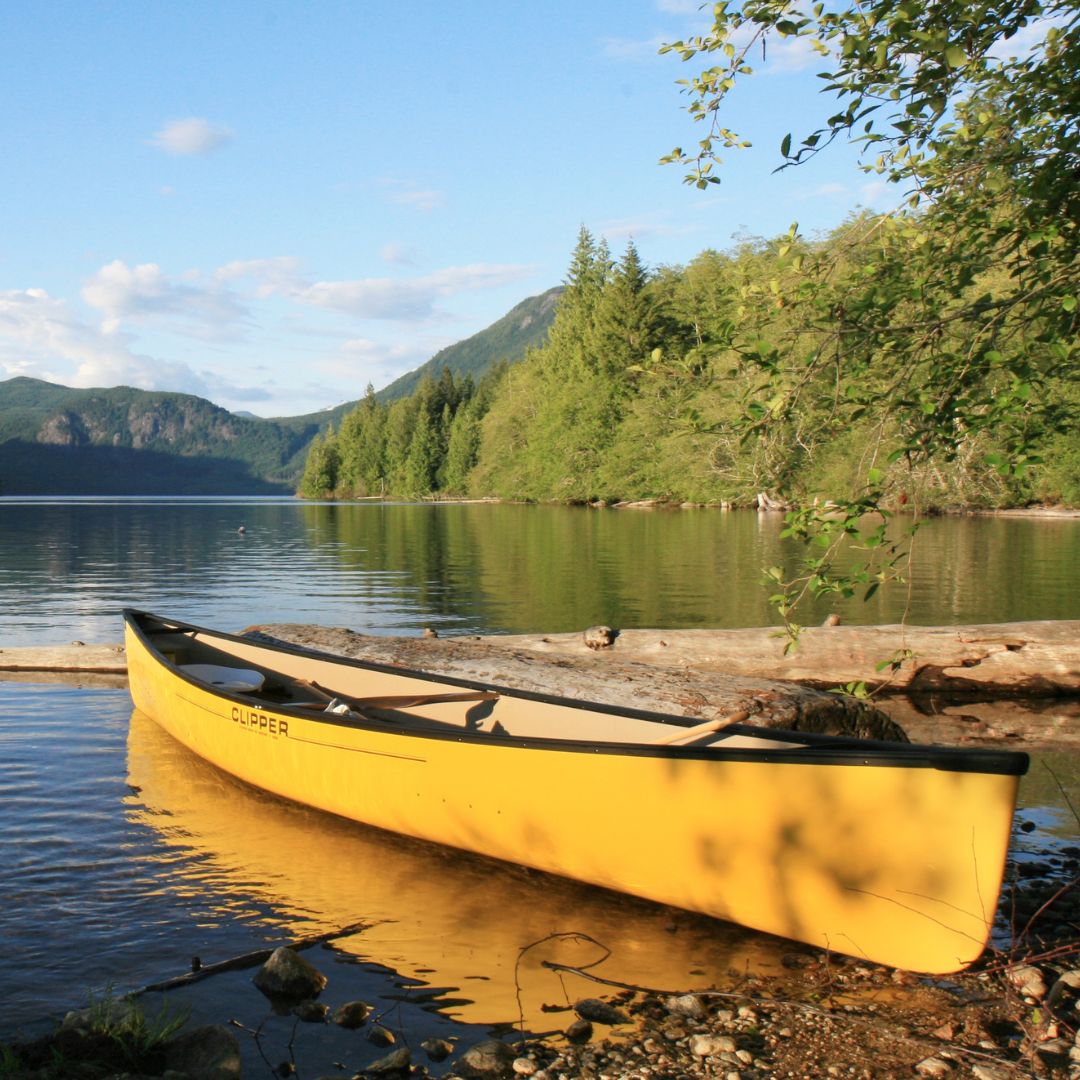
[443, 917]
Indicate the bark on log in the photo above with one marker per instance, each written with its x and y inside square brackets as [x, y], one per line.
[962, 663]
[707, 695]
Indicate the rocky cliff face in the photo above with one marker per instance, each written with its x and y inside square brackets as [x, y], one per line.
[175, 424]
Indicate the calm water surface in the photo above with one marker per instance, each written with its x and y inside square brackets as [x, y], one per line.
[125, 856]
[67, 568]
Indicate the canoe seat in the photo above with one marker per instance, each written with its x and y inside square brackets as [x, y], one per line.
[236, 680]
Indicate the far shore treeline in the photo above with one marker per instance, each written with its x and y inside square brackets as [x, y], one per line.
[648, 387]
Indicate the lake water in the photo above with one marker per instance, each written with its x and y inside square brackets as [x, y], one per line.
[125, 856]
[67, 568]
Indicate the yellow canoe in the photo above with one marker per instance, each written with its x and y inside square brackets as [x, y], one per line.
[889, 852]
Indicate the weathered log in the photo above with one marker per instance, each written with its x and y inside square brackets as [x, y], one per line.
[708, 695]
[1003, 660]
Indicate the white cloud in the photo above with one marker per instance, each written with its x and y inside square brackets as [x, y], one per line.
[824, 191]
[190, 137]
[279, 274]
[121, 292]
[397, 255]
[404, 298]
[629, 49]
[406, 194]
[879, 194]
[41, 337]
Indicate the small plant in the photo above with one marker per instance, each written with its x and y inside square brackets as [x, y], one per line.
[128, 1026]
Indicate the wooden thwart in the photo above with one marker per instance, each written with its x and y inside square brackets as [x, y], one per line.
[399, 701]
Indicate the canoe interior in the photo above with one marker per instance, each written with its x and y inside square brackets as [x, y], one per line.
[288, 673]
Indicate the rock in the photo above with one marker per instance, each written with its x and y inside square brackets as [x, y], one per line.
[992, 1072]
[580, 1031]
[1054, 1053]
[395, 1063]
[206, 1053]
[489, 1058]
[1028, 980]
[933, 1066]
[600, 1012]
[689, 1005]
[711, 1045]
[381, 1036]
[599, 637]
[524, 1066]
[352, 1015]
[288, 975]
[437, 1049]
[311, 1012]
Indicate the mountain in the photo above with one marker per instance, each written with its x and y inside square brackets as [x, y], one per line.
[520, 329]
[57, 440]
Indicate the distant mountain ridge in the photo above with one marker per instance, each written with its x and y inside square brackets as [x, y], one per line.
[58, 440]
[522, 328]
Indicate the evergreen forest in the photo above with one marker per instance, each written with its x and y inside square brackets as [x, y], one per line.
[650, 385]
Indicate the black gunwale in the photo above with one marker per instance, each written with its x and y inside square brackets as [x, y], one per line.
[816, 749]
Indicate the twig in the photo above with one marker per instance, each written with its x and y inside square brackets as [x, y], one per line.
[247, 960]
[572, 935]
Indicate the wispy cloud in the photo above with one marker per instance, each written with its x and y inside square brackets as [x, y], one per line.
[397, 255]
[631, 49]
[406, 194]
[824, 191]
[191, 137]
[406, 298]
[135, 293]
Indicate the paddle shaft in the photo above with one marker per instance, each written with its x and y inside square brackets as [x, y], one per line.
[703, 729]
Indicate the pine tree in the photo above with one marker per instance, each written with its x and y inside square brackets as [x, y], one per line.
[626, 321]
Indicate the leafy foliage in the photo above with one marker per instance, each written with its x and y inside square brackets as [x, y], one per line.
[948, 327]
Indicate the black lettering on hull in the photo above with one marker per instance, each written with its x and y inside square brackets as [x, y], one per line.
[258, 721]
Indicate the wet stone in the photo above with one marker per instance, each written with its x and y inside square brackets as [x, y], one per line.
[396, 1063]
[580, 1031]
[600, 1012]
[311, 1012]
[288, 975]
[352, 1015]
[489, 1058]
[437, 1049]
[210, 1053]
[381, 1036]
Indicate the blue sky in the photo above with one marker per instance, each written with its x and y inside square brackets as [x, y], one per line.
[272, 204]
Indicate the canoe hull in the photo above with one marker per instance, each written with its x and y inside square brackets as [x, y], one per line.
[898, 864]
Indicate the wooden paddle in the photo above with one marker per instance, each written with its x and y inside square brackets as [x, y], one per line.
[702, 729]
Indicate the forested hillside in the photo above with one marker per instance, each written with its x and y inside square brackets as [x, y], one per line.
[522, 328]
[55, 440]
[650, 385]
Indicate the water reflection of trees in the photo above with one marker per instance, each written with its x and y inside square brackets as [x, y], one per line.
[518, 568]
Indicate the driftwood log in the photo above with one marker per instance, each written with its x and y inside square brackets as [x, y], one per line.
[961, 663]
[631, 683]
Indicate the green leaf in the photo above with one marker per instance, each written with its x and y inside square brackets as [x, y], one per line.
[955, 56]
[785, 146]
